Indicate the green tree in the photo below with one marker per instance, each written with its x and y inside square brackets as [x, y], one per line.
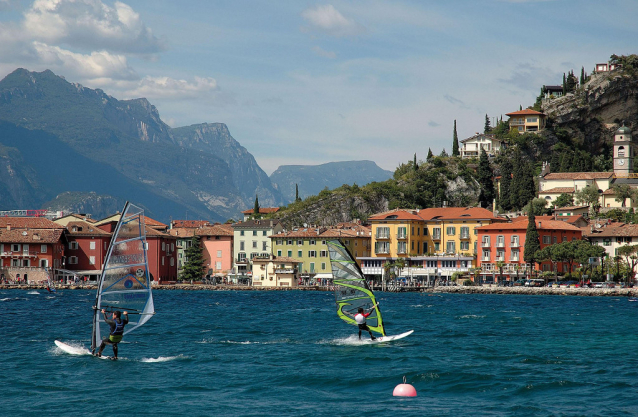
[256, 208]
[564, 200]
[547, 254]
[430, 155]
[532, 241]
[588, 196]
[584, 251]
[629, 252]
[443, 154]
[506, 182]
[623, 192]
[582, 76]
[297, 193]
[485, 180]
[415, 166]
[488, 125]
[455, 142]
[564, 84]
[537, 206]
[193, 269]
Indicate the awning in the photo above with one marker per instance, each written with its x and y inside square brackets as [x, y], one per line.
[323, 276]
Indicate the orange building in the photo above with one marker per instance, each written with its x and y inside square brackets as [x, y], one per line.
[505, 242]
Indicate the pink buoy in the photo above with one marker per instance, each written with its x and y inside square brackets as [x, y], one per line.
[404, 390]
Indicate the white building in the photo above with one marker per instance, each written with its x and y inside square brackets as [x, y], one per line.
[471, 147]
[252, 239]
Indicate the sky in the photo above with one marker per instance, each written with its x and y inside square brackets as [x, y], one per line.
[306, 82]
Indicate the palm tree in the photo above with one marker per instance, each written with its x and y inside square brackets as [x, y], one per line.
[500, 265]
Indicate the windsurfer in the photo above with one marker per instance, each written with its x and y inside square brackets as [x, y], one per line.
[360, 318]
[116, 333]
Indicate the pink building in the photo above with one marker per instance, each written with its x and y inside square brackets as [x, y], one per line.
[217, 243]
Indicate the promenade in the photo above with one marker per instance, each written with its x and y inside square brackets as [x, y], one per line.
[486, 289]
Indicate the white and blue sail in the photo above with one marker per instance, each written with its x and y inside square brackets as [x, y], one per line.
[125, 283]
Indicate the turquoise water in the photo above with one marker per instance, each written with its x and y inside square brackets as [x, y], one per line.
[260, 353]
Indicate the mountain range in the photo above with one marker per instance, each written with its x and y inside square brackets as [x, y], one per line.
[67, 147]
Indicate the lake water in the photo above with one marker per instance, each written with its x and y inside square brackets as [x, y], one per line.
[258, 353]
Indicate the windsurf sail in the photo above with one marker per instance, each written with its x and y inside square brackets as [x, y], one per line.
[50, 283]
[351, 288]
[125, 284]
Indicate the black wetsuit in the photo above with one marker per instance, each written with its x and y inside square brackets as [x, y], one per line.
[115, 335]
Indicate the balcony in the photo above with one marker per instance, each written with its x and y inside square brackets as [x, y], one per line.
[500, 244]
[285, 271]
[382, 236]
[436, 236]
[402, 236]
[515, 245]
[485, 244]
[465, 236]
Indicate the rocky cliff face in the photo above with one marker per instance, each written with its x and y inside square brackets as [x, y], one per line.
[248, 177]
[593, 112]
[205, 172]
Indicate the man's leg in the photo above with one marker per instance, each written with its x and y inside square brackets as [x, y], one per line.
[105, 342]
[115, 350]
[371, 335]
[359, 334]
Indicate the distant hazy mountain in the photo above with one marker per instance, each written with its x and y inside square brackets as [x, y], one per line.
[83, 141]
[311, 179]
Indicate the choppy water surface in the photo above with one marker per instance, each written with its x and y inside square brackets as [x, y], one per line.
[286, 354]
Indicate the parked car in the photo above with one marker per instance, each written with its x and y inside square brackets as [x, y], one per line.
[520, 283]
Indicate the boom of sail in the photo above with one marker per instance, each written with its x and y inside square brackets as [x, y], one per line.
[351, 289]
[125, 283]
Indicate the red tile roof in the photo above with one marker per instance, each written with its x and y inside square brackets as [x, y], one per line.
[305, 232]
[189, 223]
[154, 223]
[31, 236]
[215, 230]
[570, 208]
[458, 213]
[525, 112]
[558, 190]
[397, 214]
[184, 232]
[82, 228]
[542, 223]
[262, 210]
[578, 175]
[28, 223]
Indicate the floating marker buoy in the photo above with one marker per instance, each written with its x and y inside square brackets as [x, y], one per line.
[404, 390]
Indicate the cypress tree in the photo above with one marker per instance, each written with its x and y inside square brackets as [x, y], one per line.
[430, 155]
[256, 208]
[297, 193]
[486, 195]
[532, 241]
[554, 162]
[520, 107]
[455, 142]
[564, 85]
[582, 76]
[506, 182]
[193, 269]
[566, 161]
[527, 192]
[414, 165]
[488, 126]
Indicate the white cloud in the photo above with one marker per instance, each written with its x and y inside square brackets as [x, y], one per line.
[170, 88]
[91, 25]
[100, 64]
[329, 20]
[323, 53]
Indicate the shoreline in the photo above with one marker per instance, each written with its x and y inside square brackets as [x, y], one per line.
[583, 292]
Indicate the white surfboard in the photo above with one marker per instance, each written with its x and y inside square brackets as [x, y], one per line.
[392, 338]
[74, 350]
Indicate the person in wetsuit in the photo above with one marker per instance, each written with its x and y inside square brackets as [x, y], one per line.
[360, 318]
[116, 333]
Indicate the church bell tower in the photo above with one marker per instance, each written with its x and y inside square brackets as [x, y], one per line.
[623, 152]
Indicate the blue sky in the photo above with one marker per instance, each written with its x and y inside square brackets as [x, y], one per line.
[306, 82]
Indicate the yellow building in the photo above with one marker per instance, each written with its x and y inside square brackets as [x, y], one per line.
[527, 120]
[415, 233]
[275, 271]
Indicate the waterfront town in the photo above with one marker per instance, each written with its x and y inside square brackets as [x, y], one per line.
[417, 247]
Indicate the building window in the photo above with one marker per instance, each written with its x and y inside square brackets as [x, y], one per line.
[300, 254]
[436, 233]
[241, 233]
[290, 254]
[279, 252]
[323, 253]
[73, 245]
[254, 233]
[43, 248]
[26, 262]
[299, 242]
[437, 246]
[91, 260]
[219, 254]
[402, 232]
[314, 242]
[500, 241]
[547, 240]
[401, 247]
[312, 267]
[500, 255]
[486, 241]
[514, 242]
[381, 247]
[163, 246]
[254, 244]
[514, 256]
[172, 261]
[425, 231]
[383, 233]
[264, 245]
[241, 245]
[465, 245]
[486, 255]
[73, 260]
[465, 232]
[162, 261]
[323, 266]
[312, 253]
[450, 231]
[264, 233]
[451, 247]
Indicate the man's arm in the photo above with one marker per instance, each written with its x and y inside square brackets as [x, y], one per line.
[125, 319]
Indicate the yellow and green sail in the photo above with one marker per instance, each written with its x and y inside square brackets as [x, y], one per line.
[351, 289]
